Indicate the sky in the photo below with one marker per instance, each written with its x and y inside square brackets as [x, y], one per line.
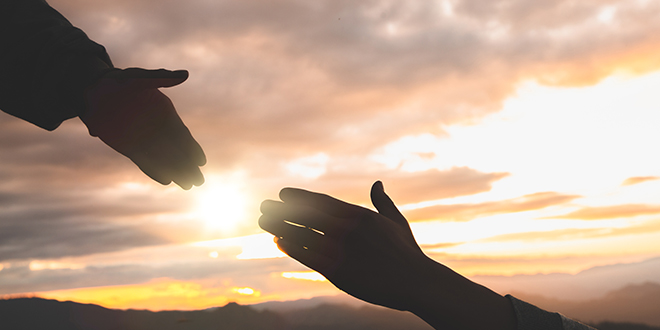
[518, 137]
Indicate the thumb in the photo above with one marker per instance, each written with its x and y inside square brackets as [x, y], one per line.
[147, 79]
[385, 205]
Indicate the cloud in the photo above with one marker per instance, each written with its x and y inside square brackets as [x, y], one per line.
[21, 279]
[353, 184]
[639, 179]
[290, 77]
[611, 212]
[467, 212]
[63, 193]
[577, 233]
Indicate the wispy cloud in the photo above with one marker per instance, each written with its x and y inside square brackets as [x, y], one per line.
[639, 179]
[467, 212]
[611, 212]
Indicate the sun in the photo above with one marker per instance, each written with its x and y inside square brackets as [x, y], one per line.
[221, 204]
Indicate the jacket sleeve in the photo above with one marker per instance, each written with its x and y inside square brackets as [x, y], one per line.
[45, 63]
[530, 317]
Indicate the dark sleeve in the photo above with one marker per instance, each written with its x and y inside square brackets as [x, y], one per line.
[45, 63]
[530, 317]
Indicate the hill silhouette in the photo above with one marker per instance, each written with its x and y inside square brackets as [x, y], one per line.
[624, 309]
[639, 303]
[37, 313]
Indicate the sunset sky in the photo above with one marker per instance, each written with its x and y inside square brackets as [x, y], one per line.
[518, 137]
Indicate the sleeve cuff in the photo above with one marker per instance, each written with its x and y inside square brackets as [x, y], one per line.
[530, 317]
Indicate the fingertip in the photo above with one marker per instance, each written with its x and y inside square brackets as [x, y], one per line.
[289, 193]
[262, 223]
[201, 159]
[285, 193]
[378, 186]
[267, 205]
[377, 190]
[185, 185]
[198, 177]
[181, 74]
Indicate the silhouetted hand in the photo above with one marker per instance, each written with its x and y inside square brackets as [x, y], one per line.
[374, 257]
[126, 110]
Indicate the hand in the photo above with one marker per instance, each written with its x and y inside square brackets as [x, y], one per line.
[374, 257]
[126, 110]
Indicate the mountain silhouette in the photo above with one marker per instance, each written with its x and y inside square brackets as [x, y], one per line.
[639, 303]
[634, 307]
[37, 314]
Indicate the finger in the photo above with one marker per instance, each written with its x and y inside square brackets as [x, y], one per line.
[307, 216]
[155, 173]
[321, 202]
[164, 163]
[180, 135]
[186, 179]
[304, 237]
[181, 172]
[143, 78]
[309, 258]
[385, 205]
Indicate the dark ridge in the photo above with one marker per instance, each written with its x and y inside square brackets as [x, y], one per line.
[42, 314]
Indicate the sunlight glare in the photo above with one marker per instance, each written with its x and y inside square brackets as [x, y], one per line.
[247, 291]
[307, 276]
[222, 204]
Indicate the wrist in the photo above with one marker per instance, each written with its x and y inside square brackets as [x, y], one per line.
[447, 300]
[89, 70]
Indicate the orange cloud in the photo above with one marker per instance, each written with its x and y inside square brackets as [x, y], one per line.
[479, 266]
[352, 185]
[577, 233]
[467, 212]
[610, 212]
[639, 179]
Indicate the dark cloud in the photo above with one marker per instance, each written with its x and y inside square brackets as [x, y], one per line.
[467, 212]
[61, 195]
[289, 75]
[22, 279]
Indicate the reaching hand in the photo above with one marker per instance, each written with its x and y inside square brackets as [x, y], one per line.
[126, 110]
[374, 257]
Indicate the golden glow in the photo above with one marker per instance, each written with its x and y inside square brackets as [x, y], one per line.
[222, 204]
[160, 294]
[247, 291]
[38, 265]
[307, 276]
[258, 246]
[310, 167]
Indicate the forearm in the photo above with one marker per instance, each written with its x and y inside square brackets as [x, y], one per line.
[447, 300]
[45, 63]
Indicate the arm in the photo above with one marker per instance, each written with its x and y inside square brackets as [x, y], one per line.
[45, 63]
[51, 71]
[374, 257]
